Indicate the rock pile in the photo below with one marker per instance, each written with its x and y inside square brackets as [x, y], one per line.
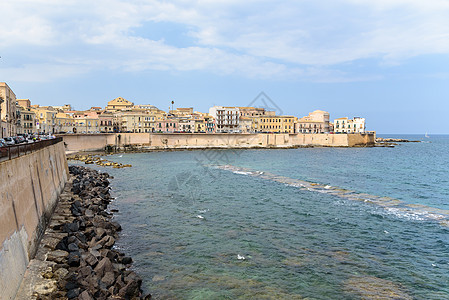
[91, 268]
[96, 159]
[391, 140]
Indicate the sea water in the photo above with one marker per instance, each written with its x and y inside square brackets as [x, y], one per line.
[315, 223]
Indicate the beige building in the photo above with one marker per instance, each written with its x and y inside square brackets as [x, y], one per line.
[27, 119]
[64, 123]
[246, 124]
[119, 104]
[316, 122]
[25, 103]
[186, 125]
[255, 112]
[134, 121]
[147, 107]
[108, 122]
[86, 122]
[8, 111]
[182, 112]
[63, 108]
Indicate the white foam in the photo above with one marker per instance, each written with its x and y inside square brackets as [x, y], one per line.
[242, 172]
[391, 206]
[200, 217]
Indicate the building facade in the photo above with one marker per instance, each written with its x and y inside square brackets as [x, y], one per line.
[209, 124]
[168, 125]
[276, 124]
[64, 123]
[119, 104]
[186, 125]
[346, 125]
[8, 111]
[45, 118]
[316, 122]
[226, 118]
[245, 124]
[27, 121]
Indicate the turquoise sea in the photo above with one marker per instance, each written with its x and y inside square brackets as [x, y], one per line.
[307, 223]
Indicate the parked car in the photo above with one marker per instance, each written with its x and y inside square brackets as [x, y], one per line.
[3, 148]
[19, 139]
[10, 141]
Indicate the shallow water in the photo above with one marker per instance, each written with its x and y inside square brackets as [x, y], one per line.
[316, 223]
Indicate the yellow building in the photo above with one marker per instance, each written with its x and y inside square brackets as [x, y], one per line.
[45, 118]
[64, 123]
[200, 125]
[119, 104]
[276, 124]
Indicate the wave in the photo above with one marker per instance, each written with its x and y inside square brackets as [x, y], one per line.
[391, 206]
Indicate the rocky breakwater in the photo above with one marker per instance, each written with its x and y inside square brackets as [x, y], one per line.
[77, 247]
[389, 142]
[96, 159]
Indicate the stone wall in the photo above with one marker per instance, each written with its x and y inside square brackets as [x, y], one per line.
[90, 142]
[29, 190]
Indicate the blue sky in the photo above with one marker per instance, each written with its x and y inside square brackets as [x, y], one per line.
[385, 60]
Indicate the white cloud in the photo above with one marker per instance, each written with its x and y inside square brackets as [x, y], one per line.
[43, 72]
[264, 39]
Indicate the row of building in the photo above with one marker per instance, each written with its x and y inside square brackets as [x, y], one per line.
[19, 116]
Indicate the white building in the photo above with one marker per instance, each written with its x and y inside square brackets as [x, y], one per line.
[345, 125]
[186, 125]
[227, 118]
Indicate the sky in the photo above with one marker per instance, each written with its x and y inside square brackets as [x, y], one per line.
[385, 60]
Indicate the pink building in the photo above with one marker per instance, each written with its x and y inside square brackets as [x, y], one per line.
[168, 125]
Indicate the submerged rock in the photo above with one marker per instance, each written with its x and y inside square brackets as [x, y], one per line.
[370, 287]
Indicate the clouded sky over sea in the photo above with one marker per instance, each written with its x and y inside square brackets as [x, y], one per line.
[385, 60]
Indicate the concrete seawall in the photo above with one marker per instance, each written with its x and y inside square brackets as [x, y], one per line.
[29, 190]
[152, 141]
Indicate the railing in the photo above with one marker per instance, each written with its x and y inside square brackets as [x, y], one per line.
[14, 151]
